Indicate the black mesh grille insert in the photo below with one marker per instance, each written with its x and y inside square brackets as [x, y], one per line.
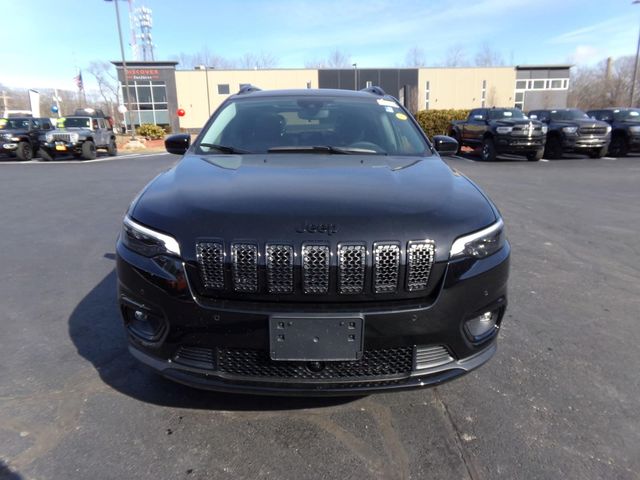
[593, 130]
[210, 257]
[351, 267]
[280, 268]
[245, 267]
[386, 261]
[375, 363]
[315, 266]
[420, 257]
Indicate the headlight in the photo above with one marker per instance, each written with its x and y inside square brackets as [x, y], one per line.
[545, 129]
[73, 137]
[608, 128]
[479, 244]
[147, 242]
[635, 129]
[503, 130]
[49, 137]
[569, 129]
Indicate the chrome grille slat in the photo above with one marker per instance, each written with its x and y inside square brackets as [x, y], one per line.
[420, 256]
[352, 261]
[63, 137]
[280, 268]
[210, 256]
[431, 357]
[593, 130]
[386, 267]
[315, 268]
[245, 267]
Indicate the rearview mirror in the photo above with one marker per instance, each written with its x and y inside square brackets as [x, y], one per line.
[444, 145]
[178, 144]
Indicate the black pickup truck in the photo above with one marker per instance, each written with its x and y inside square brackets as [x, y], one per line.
[572, 130]
[625, 123]
[20, 136]
[500, 130]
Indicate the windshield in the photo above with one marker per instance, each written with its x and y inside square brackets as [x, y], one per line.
[14, 123]
[74, 122]
[631, 115]
[568, 115]
[503, 113]
[300, 123]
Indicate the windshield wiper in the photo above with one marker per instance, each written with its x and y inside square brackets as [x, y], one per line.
[324, 149]
[223, 148]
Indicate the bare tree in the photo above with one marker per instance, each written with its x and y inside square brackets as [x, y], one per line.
[455, 57]
[107, 81]
[188, 61]
[415, 57]
[258, 60]
[488, 57]
[336, 59]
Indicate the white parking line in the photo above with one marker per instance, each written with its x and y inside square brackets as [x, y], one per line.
[83, 162]
[544, 160]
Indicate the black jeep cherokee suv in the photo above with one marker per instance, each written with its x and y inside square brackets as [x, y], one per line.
[20, 136]
[625, 124]
[572, 130]
[312, 242]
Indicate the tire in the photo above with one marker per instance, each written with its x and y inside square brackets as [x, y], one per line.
[45, 155]
[598, 152]
[24, 151]
[488, 152]
[618, 146]
[112, 148]
[535, 156]
[553, 148]
[89, 150]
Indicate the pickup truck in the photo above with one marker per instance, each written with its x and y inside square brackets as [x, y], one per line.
[625, 123]
[20, 136]
[500, 130]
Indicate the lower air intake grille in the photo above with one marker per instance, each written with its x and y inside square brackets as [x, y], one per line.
[210, 262]
[430, 357]
[315, 268]
[196, 357]
[386, 259]
[420, 257]
[245, 267]
[352, 260]
[375, 363]
[280, 268]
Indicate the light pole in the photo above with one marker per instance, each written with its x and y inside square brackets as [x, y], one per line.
[635, 66]
[355, 76]
[206, 76]
[124, 68]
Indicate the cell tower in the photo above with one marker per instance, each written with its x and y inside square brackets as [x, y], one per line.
[141, 22]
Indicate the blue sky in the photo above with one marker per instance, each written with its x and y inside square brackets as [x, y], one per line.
[50, 38]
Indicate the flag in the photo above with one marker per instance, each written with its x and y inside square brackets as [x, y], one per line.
[78, 79]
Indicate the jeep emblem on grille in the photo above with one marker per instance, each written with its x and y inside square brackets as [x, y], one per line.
[328, 228]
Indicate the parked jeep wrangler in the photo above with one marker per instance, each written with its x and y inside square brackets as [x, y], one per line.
[571, 130]
[500, 130]
[625, 125]
[81, 136]
[20, 136]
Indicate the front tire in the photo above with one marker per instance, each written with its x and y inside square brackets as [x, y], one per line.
[488, 153]
[553, 148]
[535, 156]
[89, 150]
[598, 152]
[618, 146]
[112, 149]
[24, 151]
[45, 155]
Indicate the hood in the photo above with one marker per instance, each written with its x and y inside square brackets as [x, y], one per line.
[14, 131]
[582, 123]
[516, 121]
[72, 130]
[312, 197]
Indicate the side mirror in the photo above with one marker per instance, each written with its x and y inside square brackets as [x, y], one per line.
[444, 145]
[178, 144]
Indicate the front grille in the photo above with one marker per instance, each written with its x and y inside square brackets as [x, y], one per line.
[420, 257]
[245, 267]
[197, 357]
[386, 259]
[62, 137]
[431, 357]
[280, 268]
[351, 265]
[210, 256]
[374, 363]
[527, 130]
[593, 130]
[315, 268]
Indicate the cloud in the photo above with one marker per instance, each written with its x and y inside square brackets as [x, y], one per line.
[585, 54]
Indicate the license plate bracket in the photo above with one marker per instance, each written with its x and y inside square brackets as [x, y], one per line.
[315, 338]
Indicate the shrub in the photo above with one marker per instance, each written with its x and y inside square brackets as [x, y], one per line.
[150, 131]
[436, 122]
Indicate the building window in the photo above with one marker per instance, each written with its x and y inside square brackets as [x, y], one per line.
[556, 83]
[520, 97]
[538, 84]
[483, 95]
[427, 92]
[148, 102]
[223, 89]
[521, 85]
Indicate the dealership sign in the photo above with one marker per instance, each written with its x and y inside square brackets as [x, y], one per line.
[143, 74]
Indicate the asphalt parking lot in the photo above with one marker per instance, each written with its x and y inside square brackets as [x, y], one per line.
[561, 398]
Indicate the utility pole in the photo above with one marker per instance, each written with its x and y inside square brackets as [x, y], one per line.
[4, 100]
[355, 76]
[206, 77]
[635, 67]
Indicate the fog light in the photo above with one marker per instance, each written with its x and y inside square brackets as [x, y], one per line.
[482, 326]
[144, 324]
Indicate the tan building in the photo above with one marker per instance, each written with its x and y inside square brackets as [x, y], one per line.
[158, 90]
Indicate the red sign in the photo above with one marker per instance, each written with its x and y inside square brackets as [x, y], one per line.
[143, 73]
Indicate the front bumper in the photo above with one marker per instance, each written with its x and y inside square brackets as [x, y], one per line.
[511, 144]
[61, 147]
[223, 345]
[578, 143]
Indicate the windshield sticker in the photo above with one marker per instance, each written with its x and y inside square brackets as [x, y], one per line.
[60, 122]
[507, 114]
[388, 109]
[387, 103]
[3, 122]
[401, 116]
[633, 114]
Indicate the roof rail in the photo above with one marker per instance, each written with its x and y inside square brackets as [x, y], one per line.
[247, 89]
[375, 90]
